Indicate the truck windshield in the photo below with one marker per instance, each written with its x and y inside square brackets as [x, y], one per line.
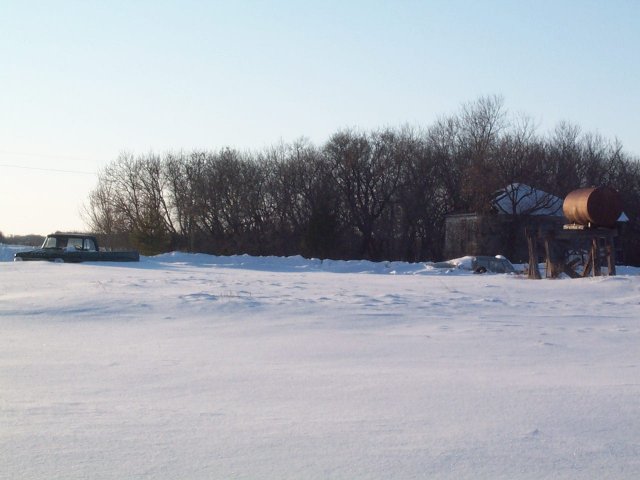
[50, 242]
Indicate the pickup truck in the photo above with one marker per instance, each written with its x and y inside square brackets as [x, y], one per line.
[74, 248]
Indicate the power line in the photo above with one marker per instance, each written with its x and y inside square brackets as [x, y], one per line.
[40, 155]
[57, 170]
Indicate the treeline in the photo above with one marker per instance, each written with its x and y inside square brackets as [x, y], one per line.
[378, 195]
[29, 240]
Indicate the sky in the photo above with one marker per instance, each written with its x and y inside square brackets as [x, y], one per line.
[83, 81]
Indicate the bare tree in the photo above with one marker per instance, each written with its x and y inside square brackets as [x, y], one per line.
[452, 162]
[367, 173]
[421, 198]
[99, 213]
[481, 123]
[564, 159]
[184, 176]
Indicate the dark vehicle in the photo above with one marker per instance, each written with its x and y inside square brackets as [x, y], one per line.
[74, 248]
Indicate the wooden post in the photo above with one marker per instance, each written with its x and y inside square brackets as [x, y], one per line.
[548, 266]
[554, 265]
[611, 255]
[588, 264]
[533, 271]
[597, 270]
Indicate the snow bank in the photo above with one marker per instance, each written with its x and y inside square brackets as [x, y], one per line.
[300, 264]
[456, 266]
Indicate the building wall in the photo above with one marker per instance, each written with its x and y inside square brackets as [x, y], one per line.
[493, 234]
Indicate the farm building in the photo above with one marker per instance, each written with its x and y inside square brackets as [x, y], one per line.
[493, 234]
[515, 209]
[502, 230]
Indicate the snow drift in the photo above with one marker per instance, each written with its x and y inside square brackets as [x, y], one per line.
[193, 366]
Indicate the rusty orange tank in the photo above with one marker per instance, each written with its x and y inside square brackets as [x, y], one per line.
[593, 207]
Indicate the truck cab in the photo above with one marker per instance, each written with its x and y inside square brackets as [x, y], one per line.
[71, 242]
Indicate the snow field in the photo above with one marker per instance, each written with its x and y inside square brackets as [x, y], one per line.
[191, 366]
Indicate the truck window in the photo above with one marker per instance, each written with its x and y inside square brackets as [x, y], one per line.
[75, 243]
[89, 244]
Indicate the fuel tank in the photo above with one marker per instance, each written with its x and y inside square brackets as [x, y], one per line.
[594, 206]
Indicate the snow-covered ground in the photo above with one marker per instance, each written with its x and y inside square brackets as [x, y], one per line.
[201, 367]
[7, 251]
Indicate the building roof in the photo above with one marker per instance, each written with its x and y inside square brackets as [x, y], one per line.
[521, 199]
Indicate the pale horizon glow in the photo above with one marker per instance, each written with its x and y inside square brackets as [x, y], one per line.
[82, 81]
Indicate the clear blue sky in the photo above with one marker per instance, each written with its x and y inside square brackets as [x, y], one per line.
[81, 81]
